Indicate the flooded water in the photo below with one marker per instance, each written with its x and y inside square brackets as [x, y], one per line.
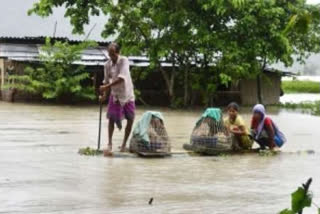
[41, 171]
[302, 78]
[298, 98]
[301, 97]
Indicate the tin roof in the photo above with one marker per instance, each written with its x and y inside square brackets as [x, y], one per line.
[31, 52]
[89, 57]
[21, 50]
[280, 72]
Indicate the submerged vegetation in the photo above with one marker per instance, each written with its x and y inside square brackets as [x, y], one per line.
[297, 86]
[89, 151]
[311, 107]
[268, 153]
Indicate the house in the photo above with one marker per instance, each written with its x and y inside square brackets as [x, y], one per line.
[17, 53]
[245, 91]
[270, 88]
[21, 37]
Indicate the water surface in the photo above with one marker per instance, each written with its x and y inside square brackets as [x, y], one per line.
[298, 98]
[41, 171]
[303, 78]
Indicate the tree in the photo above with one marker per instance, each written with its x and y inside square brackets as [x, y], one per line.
[56, 77]
[165, 31]
[208, 42]
[157, 29]
[268, 32]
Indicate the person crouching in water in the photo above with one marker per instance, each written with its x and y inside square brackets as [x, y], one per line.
[236, 126]
[264, 131]
[121, 104]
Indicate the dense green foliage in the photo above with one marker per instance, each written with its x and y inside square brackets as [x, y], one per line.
[301, 86]
[209, 42]
[56, 76]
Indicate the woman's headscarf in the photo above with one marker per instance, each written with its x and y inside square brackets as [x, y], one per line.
[261, 110]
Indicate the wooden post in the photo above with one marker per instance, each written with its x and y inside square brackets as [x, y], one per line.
[2, 73]
[259, 89]
[99, 131]
[186, 87]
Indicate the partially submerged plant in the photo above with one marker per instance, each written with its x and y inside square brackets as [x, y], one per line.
[89, 151]
[309, 107]
[300, 199]
[267, 153]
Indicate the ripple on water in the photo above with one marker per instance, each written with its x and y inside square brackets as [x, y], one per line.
[42, 172]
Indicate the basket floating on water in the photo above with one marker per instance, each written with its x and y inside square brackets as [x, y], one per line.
[157, 141]
[210, 134]
[207, 141]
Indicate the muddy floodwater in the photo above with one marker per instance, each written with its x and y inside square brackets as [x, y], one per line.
[41, 172]
[301, 97]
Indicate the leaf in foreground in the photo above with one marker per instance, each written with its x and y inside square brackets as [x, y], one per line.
[300, 200]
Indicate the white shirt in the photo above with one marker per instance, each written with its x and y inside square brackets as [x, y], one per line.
[124, 91]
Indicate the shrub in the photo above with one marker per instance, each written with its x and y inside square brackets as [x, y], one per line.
[56, 77]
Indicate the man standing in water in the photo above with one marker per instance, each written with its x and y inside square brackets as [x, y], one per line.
[117, 79]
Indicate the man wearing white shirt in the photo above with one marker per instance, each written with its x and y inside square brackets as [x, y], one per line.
[117, 80]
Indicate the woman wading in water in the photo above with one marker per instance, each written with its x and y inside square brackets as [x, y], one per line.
[264, 131]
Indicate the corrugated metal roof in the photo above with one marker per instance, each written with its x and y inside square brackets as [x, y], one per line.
[23, 59]
[139, 58]
[41, 40]
[21, 50]
[90, 57]
[90, 63]
[94, 54]
[30, 52]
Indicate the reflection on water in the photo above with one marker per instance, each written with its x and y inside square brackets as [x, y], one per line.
[298, 98]
[302, 78]
[41, 171]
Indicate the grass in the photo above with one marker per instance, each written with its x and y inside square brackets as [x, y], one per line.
[312, 107]
[297, 86]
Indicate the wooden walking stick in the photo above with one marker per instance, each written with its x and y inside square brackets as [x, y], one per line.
[99, 133]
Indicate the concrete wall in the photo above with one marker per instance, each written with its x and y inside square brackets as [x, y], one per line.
[270, 89]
